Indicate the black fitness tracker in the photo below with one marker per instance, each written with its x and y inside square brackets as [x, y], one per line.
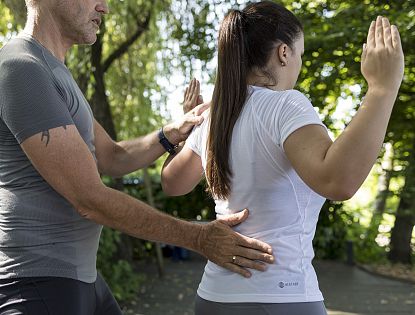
[167, 145]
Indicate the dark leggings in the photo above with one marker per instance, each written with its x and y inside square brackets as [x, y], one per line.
[56, 296]
[204, 307]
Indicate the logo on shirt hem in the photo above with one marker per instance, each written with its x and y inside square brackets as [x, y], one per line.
[282, 284]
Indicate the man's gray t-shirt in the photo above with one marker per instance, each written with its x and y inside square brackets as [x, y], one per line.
[41, 234]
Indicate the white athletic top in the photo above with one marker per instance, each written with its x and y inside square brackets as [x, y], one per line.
[283, 210]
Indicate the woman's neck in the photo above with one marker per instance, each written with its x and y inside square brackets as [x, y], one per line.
[263, 81]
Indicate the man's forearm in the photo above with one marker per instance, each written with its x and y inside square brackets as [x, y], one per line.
[131, 155]
[131, 216]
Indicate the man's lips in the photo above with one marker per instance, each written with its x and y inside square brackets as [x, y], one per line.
[97, 21]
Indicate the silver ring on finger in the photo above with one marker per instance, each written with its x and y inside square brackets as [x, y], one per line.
[233, 259]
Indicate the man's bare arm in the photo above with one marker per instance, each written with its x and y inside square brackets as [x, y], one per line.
[118, 159]
[65, 162]
[121, 158]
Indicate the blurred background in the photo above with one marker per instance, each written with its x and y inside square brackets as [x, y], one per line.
[134, 77]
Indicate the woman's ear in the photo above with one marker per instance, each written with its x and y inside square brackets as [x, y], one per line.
[282, 54]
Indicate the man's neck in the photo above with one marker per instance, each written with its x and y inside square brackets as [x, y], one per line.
[47, 32]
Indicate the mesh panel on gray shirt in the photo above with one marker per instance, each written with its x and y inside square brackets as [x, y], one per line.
[41, 234]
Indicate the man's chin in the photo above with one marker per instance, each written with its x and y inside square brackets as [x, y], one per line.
[88, 40]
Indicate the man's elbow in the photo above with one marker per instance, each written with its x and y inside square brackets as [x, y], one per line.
[87, 203]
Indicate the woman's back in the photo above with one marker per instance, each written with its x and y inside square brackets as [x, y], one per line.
[283, 210]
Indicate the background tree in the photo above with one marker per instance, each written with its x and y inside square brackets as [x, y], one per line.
[145, 43]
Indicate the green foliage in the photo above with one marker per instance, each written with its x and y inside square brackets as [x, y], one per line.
[365, 250]
[8, 26]
[119, 274]
[331, 234]
[196, 205]
[336, 227]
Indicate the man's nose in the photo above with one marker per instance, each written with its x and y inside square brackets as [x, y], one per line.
[102, 7]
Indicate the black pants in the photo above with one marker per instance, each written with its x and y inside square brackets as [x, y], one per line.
[56, 296]
[204, 307]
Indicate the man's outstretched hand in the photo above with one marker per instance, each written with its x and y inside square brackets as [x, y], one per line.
[231, 250]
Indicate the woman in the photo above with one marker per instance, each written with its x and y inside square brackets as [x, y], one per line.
[263, 147]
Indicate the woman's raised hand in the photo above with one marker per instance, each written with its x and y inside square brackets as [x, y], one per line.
[192, 96]
[382, 57]
[193, 109]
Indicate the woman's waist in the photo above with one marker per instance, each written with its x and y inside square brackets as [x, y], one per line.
[293, 256]
[290, 280]
[290, 235]
[298, 265]
[268, 223]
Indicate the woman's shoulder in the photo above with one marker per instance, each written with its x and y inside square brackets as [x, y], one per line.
[298, 96]
[269, 94]
[198, 130]
[267, 100]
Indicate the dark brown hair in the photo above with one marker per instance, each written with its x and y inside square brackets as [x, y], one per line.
[246, 41]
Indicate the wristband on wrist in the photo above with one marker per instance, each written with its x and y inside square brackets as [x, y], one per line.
[167, 145]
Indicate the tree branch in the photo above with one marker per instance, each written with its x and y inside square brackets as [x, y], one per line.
[141, 28]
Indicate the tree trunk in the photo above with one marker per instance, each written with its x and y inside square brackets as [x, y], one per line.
[150, 201]
[401, 236]
[99, 102]
[402, 232]
[383, 193]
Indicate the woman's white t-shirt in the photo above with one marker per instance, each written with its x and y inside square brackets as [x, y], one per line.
[283, 210]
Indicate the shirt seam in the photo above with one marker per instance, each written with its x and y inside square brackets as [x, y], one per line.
[302, 241]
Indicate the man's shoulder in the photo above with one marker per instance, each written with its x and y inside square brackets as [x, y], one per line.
[20, 46]
[21, 58]
[22, 49]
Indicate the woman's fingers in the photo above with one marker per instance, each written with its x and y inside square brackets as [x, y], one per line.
[191, 88]
[364, 52]
[387, 34]
[191, 95]
[371, 35]
[379, 32]
[396, 38]
[186, 92]
[195, 92]
[382, 58]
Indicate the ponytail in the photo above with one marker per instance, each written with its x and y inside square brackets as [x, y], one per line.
[228, 100]
[247, 40]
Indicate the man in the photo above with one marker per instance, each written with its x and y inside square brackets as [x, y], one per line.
[52, 200]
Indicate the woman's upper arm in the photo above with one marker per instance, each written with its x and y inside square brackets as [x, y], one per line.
[306, 149]
[182, 173]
